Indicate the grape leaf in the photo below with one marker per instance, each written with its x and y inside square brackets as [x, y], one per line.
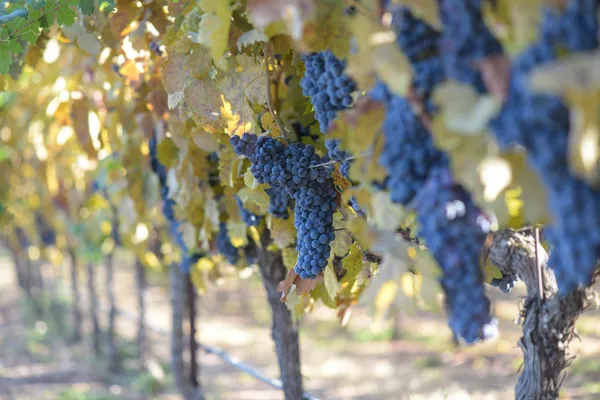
[214, 28]
[251, 37]
[85, 40]
[167, 153]
[283, 231]
[256, 200]
[328, 28]
[463, 110]
[330, 281]
[290, 256]
[87, 7]
[5, 60]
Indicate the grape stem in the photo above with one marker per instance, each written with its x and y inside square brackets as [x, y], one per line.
[289, 134]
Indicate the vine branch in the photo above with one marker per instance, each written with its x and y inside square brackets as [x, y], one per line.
[289, 134]
[42, 15]
[548, 325]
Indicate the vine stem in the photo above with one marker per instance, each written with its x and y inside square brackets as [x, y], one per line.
[42, 15]
[289, 134]
[538, 264]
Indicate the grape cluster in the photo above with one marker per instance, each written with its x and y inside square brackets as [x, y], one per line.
[297, 171]
[244, 145]
[327, 86]
[279, 201]
[290, 166]
[224, 245]
[454, 230]
[248, 216]
[420, 43]
[409, 153]
[465, 40]
[315, 205]
[506, 283]
[541, 123]
[451, 225]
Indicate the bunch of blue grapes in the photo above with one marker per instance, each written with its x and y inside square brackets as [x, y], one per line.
[290, 166]
[454, 229]
[327, 86]
[451, 225]
[315, 205]
[224, 245]
[420, 43]
[248, 216]
[244, 145]
[541, 123]
[465, 40]
[279, 201]
[305, 176]
[409, 152]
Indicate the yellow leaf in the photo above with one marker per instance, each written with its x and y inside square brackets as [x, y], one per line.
[328, 29]
[352, 263]
[256, 200]
[341, 244]
[214, 28]
[290, 256]
[391, 65]
[385, 296]
[330, 280]
[249, 180]
[167, 153]
[283, 231]
[226, 158]
[237, 233]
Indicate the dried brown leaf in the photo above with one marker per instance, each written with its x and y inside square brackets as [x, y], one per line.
[286, 285]
[495, 72]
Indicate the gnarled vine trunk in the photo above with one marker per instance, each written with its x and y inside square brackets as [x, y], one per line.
[93, 305]
[548, 319]
[111, 345]
[192, 313]
[141, 289]
[178, 296]
[75, 297]
[283, 330]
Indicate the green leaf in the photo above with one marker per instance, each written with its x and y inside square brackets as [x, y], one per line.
[65, 15]
[87, 6]
[36, 5]
[29, 30]
[13, 46]
[5, 60]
